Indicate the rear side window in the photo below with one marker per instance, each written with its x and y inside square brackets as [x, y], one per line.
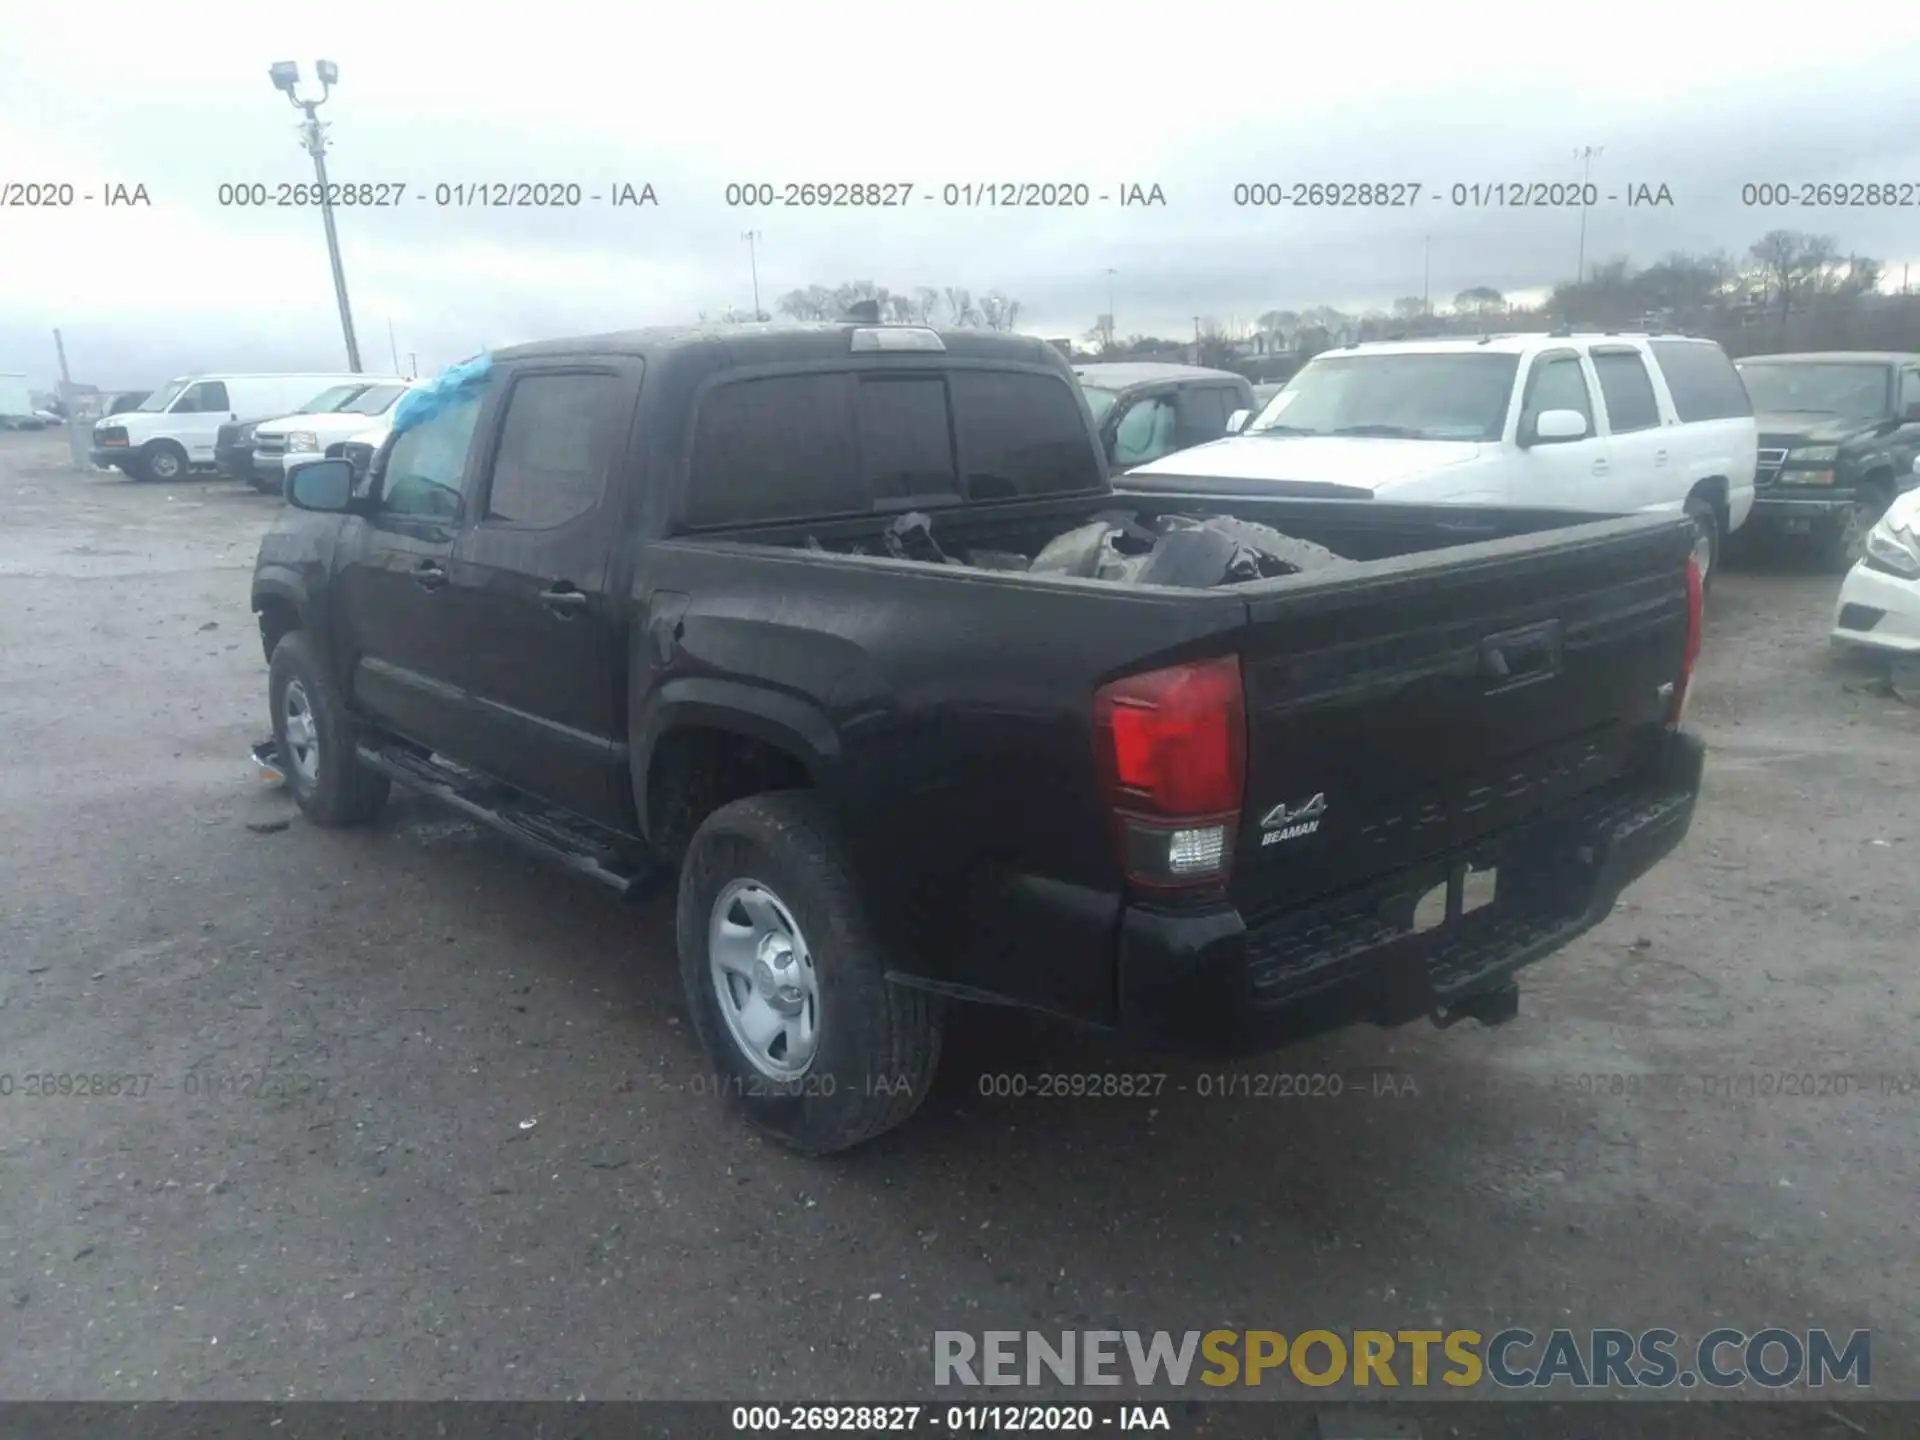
[551, 465]
[1704, 383]
[775, 449]
[1021, 434]
[795, 447]
[1631, 403]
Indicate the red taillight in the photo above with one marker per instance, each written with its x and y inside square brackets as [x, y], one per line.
[1172, 748]
[1696, 604]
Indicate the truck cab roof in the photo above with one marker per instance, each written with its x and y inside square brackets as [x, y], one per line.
[787, 342]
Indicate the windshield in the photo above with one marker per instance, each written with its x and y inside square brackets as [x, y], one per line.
[330, 400]
[1099, 401]
[164, 396]
[1859, 392]
[374, 400]
[1395, 397]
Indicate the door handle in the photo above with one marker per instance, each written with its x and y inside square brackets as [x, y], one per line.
[1659, 457]
[1600, 466]
[429, 575]
[563, 600]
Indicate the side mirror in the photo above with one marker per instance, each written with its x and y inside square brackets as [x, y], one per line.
[1557, 426]
[1237, 421]
[322, 485]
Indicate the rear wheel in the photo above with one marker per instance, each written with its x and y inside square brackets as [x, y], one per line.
[1846, 543]
[787, 982]
[1706, 537]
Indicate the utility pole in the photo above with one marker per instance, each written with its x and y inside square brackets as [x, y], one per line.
[753, 238]
[1426, 275]
[391, 345]
[285, 75]
[78, 436]
[413, 366]
[1113, 327]
[1586, 156]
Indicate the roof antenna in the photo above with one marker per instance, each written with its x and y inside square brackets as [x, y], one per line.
[863, 312]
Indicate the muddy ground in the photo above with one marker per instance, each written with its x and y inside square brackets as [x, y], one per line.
[484, 1169]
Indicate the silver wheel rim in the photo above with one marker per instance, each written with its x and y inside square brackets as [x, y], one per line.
[165, 465]
[1703, 545]
[303, 736]
[764, 979]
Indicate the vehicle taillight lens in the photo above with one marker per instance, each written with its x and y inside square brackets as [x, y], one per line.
[1172, 747]
[1696, 597]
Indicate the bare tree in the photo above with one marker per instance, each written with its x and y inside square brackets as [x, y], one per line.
[926, 303]
[1793, 262]
[1409, 307]
[997, 312]
[960, 310]
[1480, 300]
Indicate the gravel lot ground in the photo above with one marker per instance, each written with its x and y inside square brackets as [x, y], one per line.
[496, 1177]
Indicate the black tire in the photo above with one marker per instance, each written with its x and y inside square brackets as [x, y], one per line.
[1708, 536]
[1845, 544]
[339, 790]
[160, 462]
[878, 1043]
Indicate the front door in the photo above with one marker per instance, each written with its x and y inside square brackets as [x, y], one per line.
[1559, 474]
[400, 652]
[1145, 428]
[538, 628]
[196, 416]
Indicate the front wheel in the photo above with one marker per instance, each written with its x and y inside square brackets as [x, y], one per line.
[1846, 543]
[787, 982]
[316, 739]
[161, 461]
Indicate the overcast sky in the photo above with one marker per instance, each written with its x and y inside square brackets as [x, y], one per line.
[1194, 99]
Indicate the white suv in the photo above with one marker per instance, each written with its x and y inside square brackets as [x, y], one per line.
[1605, 423]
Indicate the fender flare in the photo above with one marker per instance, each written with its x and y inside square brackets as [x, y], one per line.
[785, 721]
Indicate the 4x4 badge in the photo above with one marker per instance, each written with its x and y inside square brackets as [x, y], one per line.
[1282, 823]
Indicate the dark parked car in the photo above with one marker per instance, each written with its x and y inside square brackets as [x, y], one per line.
[847, 624]
[233, 450]
[1149, 409]
[1839, 431]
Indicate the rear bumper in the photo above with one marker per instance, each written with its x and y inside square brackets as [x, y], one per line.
[1209, 983]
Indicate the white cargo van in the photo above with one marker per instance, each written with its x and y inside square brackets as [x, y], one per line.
[175, 427]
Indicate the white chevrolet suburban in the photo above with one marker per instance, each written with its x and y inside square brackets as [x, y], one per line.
[1606, 423]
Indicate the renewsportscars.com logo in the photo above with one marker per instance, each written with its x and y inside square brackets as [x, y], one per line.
[1510, 1359]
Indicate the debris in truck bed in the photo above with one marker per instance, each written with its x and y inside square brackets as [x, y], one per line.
[1178, 550]
[1186, 551]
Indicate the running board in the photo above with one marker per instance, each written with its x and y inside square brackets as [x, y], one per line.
[580, 845]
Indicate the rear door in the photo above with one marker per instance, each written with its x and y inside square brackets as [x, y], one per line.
[1646, 458]
[537, 633]
[391, 590]
[1560, 474]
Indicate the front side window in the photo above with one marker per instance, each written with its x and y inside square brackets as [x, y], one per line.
[205, 398]
[552, 462]
[1558, 383]
[425, 466]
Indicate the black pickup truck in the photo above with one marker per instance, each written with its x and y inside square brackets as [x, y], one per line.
[846, 625]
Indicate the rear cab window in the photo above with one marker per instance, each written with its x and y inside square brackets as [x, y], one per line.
[1702, 381]
[818, 445]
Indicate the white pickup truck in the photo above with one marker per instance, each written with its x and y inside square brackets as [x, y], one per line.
[1606, 423]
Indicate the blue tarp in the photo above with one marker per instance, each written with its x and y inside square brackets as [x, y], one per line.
[454, 383]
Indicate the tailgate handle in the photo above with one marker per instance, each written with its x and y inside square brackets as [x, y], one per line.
[1520, 657]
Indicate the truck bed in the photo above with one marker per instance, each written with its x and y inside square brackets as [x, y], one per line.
[1464, 672]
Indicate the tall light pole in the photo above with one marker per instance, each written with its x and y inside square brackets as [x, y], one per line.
[285, 75]
[1586, 155]
[753, 237]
